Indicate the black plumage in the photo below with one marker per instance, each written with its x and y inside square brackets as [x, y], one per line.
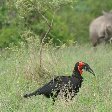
[67, 85]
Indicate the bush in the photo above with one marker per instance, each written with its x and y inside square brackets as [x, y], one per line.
[9, 35]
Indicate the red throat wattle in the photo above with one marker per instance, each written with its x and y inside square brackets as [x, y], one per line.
[81, 64]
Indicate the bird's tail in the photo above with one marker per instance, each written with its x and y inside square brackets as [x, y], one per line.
[31, 94]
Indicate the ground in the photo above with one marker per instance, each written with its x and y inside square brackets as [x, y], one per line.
[19, 74]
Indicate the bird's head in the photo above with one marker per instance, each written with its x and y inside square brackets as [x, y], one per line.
[80, 66]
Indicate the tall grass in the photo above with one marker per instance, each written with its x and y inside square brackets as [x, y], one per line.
[20, 73]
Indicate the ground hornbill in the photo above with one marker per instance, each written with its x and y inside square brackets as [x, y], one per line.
[66, 85]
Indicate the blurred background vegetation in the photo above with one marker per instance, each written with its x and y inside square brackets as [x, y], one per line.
[71, 21]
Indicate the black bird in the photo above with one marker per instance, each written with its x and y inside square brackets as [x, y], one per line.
[68, 85]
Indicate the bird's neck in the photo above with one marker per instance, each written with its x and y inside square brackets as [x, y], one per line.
[77, 74]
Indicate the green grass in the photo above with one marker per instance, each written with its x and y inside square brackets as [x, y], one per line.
[20, 73]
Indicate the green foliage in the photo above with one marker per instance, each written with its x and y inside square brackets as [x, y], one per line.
[33, 11]
[60, 32]
[3, 15]
[9, 29]
[9, 35]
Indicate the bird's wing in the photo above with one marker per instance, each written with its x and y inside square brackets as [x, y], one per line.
[49, 87]
[58, 83]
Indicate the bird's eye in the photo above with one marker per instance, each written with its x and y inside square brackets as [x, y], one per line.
[85, 68]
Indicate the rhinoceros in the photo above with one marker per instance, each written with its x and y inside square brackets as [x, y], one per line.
[100, 29]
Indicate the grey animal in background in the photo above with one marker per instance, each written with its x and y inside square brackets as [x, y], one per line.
[100, 29]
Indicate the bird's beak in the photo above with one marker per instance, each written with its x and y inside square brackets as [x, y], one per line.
[91, 71]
